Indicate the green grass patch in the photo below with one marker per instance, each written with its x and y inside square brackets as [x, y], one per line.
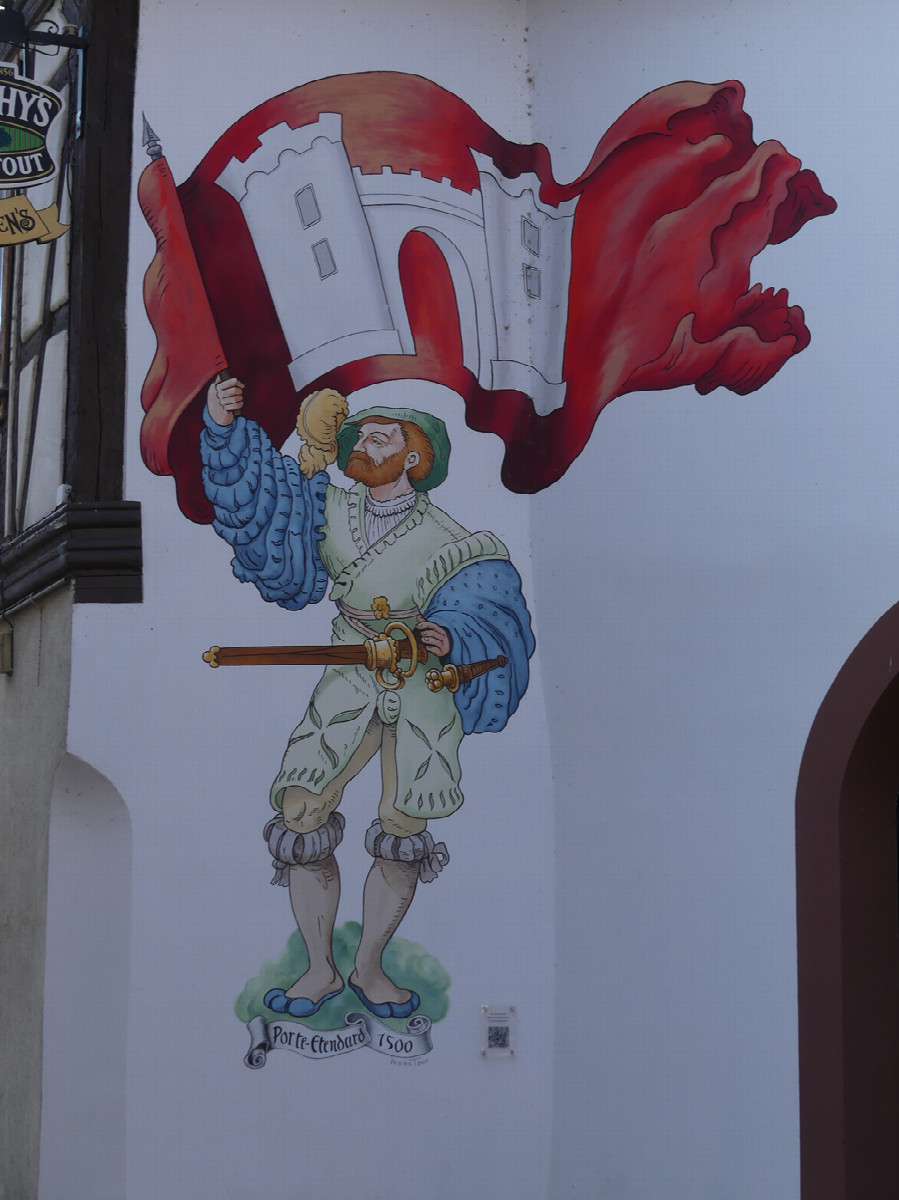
[407, 963]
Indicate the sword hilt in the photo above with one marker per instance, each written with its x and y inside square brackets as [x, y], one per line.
[383, 652]
[380, 654]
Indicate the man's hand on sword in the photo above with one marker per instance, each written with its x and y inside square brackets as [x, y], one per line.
[433, 637]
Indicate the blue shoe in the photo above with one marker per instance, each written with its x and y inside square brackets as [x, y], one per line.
[389, 1009]
[278, 1001]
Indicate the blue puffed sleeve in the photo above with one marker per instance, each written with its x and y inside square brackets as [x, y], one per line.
[484, 612]
[266, 509]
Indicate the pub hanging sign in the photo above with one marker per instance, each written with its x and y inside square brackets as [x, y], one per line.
[27, 113]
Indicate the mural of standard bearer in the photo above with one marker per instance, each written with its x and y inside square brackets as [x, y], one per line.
[394, 557]
[368, 228]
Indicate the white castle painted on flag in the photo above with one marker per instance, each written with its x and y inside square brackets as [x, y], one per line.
[328, 238]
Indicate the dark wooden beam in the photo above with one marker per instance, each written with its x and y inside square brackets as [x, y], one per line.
[101, 171]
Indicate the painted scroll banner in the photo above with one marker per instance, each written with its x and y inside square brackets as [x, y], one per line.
[21, 222]
[361, 1030]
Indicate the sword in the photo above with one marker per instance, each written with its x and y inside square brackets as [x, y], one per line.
[381, 654]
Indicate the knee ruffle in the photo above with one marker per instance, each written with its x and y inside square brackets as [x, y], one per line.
[291, 849]
[419, 848]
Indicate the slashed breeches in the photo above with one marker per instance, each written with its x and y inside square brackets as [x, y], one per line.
[304, 811]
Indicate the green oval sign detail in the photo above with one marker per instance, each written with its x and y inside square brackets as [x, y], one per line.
[27, 111]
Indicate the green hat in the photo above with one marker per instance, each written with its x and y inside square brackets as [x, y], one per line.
[432, 427]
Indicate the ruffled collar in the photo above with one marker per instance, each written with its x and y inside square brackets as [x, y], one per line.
[356, 500]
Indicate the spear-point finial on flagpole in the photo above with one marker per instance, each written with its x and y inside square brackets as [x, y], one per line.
[151, 142]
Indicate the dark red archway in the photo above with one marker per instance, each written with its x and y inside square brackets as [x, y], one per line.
[848, 929]
[431, 304]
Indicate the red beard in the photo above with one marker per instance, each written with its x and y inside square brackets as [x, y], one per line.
[362, 468]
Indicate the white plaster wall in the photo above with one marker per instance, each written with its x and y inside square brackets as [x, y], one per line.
[34, 702]
[193, 752]
[739, 549]
[699, 576]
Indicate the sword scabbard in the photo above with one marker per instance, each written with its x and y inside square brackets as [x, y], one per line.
[284, 656]
[380, 654]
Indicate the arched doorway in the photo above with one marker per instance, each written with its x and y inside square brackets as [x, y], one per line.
[848, 929]
[83, 1100]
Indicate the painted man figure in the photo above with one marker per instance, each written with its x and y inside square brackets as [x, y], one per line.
[392, 555]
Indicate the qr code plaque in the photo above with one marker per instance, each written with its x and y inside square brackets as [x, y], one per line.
[498, 1037]
[498, 1029]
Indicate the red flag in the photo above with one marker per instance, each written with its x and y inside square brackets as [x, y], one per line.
[188, 351]
[674, 205]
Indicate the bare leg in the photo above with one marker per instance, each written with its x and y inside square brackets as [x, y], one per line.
[314, 893]
[388, 893]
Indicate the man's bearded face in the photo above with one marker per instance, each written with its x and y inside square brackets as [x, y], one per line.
[380, 455]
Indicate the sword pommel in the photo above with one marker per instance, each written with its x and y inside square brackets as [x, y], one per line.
[452, 677]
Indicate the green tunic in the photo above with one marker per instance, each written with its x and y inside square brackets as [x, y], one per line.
[407, 566]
